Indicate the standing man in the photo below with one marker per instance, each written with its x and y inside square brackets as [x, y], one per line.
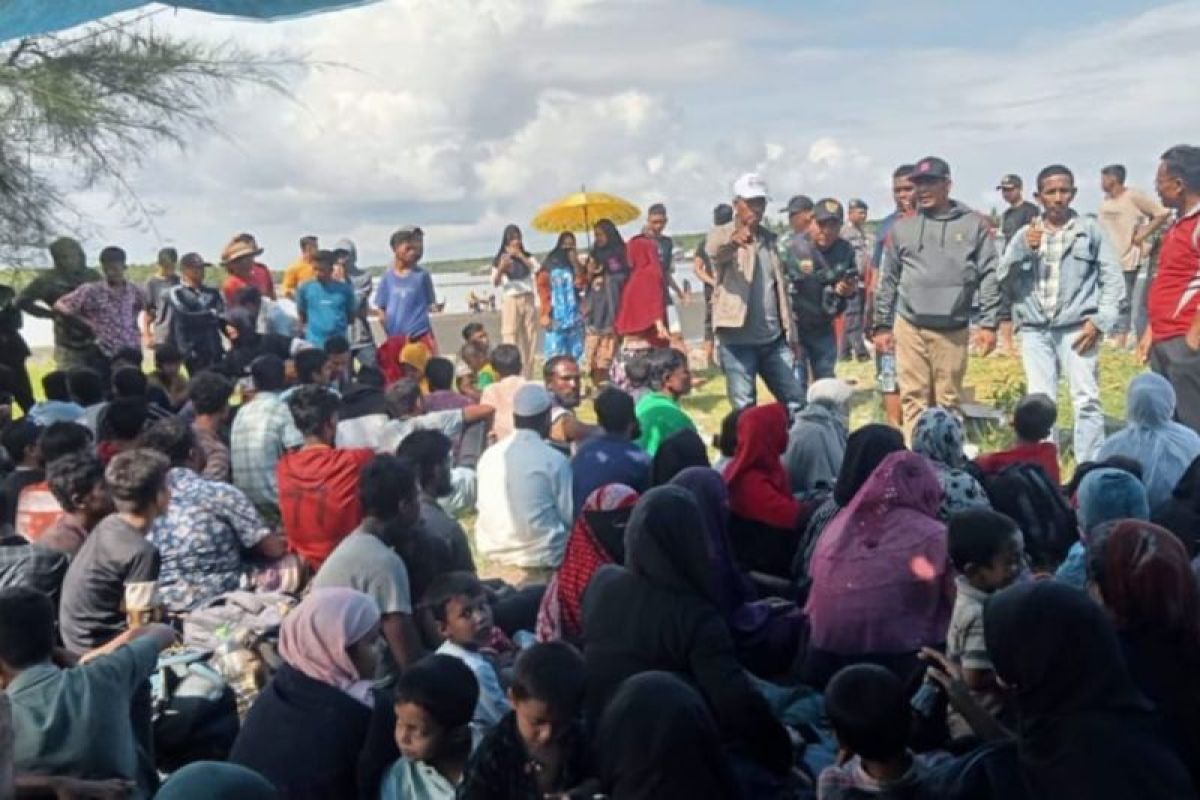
[360, 336]
[405, 295]
[854, 343]
[303, 269]
[109, 308]
[722, 215]
[194, 316]
[154, 327]
[1130, 218]
[1063, 280]
[656, 223]
[885, 360]
[1020, 212]
[933, 263]
[752, 312]
[1172, 340]
[74, 344]
[821, 269]
[325, 305]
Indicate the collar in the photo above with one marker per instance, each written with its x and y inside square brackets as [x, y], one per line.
[1193, 211]
[32, 676]
[966, 589]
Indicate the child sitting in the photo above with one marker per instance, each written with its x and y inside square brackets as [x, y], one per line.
[474, 372]
[988, 552]
[726, 441]
[538, 749]
[869, 712]
[637, 376]
[1033, 422]
[460, 609]
[435, 699]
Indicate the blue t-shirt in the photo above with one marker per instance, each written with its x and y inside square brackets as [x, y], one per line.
[405, 301]
[607, 459]
[327, 309]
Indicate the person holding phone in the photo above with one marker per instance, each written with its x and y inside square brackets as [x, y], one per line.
[513, 269]
[1063, 276]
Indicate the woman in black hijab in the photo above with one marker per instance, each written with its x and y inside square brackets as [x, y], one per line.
[865, 449]
[677, 452]
[1181, 513]
[607, 271]
[660, 612]
[1084, 730]
[658, 739]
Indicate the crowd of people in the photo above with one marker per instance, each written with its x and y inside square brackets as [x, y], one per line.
[269, 522]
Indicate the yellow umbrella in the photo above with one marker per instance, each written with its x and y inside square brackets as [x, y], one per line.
[583, 209]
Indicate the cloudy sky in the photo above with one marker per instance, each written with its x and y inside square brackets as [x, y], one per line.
[463, 115]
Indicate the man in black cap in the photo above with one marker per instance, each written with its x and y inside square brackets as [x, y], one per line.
[823, 274]
[194, 315]
[702, 265]
[933, 263]
[853, 343]
[1020, 212]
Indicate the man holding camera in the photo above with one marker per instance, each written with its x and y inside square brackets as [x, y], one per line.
[823, 274]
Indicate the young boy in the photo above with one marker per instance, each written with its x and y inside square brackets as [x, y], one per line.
[988, 552]
[464, 621]
[167, 382]
[435, 699]
[538, 749]
[474, 372]
[869, 712]
[112, 582]
[80, 721]
[77, 482]
[1033, 422]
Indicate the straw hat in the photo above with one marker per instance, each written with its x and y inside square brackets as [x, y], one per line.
[239, 248]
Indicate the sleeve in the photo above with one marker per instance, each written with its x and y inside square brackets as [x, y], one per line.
[302, 300]
[1145, 204]
[139, 299]
[351, 302]
[449, 422]
[566, 500]
[989, 289]
[427, 283]
[390, 587]
[141, 581]
[242, 516]
[129, 666]
[382, 292]
[889, 281]
[1016, 257]
[1112, 281]
[290, 279]
[721, 251]
[74, 301]
[288, 433]
[974, 648]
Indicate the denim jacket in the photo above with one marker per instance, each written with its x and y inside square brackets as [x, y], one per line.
[1090, 284]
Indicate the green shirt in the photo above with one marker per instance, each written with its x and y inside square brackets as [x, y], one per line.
[659, 416]
[77, 721]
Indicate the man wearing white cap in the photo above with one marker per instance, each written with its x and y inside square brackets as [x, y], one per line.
[752, 315]
[525, 501]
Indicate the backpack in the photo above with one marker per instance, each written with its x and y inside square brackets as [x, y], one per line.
[1024, 493]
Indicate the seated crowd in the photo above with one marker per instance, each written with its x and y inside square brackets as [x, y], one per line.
[821, 613]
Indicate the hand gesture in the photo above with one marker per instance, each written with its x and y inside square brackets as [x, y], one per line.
[742, 236]
[846, 287]
[884, 341]
[985, 341]
[1087, 339]
[1033, 234]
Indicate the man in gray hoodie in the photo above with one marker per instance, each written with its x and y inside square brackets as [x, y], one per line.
[933, 263]
[362, 340]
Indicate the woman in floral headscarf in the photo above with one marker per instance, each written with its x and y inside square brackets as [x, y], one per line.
[939, 437]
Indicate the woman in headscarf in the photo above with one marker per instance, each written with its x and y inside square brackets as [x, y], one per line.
[558, 291]
[659, 740]
[1164, 448]
[642, 315]
[598, 538]
[882, 582]
[318, 729]
[1105, 495]
[939, 436]
[1084, 730]
[767, 520]
[607, 271]
[679, 451]
[414, 357]
[766, 633]
[661, 611]
[1142, 575]
[1181, 513]
[865, 449]
[817, 441]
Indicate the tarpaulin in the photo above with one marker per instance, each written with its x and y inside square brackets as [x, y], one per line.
[20, 18]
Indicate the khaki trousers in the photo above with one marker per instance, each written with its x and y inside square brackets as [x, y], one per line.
[519, 324]
[930, 366]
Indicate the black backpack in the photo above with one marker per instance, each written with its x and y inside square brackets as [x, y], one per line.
[1026, 494]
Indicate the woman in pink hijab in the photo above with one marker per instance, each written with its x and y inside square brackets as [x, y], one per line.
[882, 582]
[319, 729]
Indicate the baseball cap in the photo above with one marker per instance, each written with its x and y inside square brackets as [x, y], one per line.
[932, 168]
[857, 202]
[828, 209]
[193, 260]
[530, 400]
[326, 257]
[800, 202]
[1010, 182]
[750, 186]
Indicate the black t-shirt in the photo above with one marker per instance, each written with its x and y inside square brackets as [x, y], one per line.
[1016, 218]
[812, 273]
[115, 569]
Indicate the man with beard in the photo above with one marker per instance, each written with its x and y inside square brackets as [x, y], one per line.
[562, 378]
[429, 452]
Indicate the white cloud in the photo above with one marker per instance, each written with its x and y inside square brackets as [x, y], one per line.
[467, 114]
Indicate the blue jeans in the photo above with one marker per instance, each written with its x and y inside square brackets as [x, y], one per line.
[743, 363]
[1045, 352]
[818, 352]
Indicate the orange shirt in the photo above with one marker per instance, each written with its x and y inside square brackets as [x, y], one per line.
[297, 273]
[318, 498]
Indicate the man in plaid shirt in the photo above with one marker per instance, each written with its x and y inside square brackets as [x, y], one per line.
[262, 431]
